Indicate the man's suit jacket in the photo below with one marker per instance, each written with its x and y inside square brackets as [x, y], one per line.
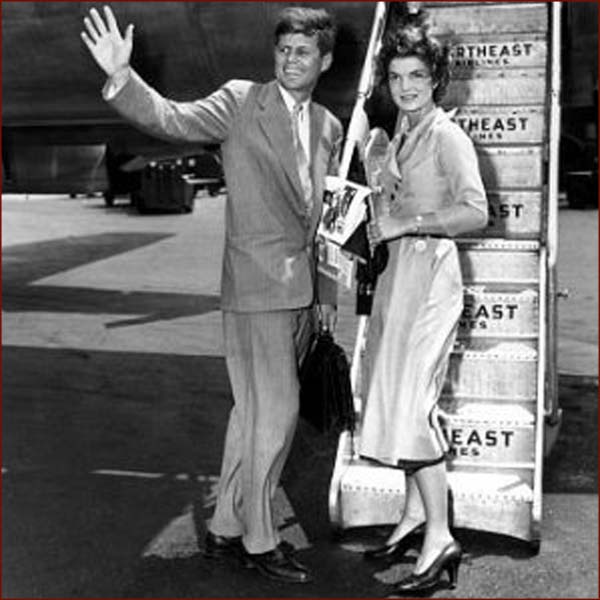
[268, 261]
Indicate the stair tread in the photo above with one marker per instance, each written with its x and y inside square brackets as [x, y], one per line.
[364, 475]
[513, 350]
[489, 484]
[487, 413]
[501, 244]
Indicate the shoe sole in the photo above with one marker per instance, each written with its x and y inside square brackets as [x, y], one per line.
[223, 555]
[411, 544]
[282, 579]
[265, 573]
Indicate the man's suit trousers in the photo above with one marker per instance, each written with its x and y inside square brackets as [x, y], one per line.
[263, 352]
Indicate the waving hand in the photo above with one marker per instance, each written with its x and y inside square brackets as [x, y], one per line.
[109, 48]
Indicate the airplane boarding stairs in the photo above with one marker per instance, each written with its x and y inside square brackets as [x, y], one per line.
[498, 406]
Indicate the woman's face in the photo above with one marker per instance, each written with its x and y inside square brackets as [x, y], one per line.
[411, 85]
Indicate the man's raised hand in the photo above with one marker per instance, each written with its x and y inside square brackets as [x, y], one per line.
[109, 48]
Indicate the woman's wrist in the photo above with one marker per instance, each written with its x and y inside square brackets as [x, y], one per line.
[412, 225]
[417, 224]
[390, 228]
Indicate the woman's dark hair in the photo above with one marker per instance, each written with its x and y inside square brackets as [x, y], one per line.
[410, 37]
[309, 21]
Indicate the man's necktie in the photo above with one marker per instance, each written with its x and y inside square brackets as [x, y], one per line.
[302, 159]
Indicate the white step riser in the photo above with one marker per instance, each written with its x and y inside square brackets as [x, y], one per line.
[512, 215]
[501, 410]
[363, 507]
[510, 167]
[360, 504]
[473, 376]
[502, 267]
[493, 18]
[499, 315]
[525, 87]
[474, 443]
[502, 124]
[474, 53]
[506, 518]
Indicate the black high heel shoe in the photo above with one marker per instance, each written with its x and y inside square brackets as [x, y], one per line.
[421, 583]
[395, 550]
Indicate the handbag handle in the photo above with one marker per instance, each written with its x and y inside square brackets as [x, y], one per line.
[321, 327]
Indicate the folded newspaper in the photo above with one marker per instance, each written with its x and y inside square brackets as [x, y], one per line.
[344, 209]
[341, 229]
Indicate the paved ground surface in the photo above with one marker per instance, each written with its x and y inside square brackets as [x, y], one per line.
[115, 399]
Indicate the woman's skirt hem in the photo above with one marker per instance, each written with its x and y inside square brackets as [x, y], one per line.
[410, 466]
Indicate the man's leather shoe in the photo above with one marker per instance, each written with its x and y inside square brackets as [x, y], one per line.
[222, 546]
[279, 565]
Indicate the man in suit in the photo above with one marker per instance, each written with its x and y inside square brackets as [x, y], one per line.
[277, 146]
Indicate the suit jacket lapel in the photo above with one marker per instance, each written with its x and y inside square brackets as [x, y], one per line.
[275, 122]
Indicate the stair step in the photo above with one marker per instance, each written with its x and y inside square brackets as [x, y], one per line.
[366, 494]
[512, 261]
[485, 413]
[490, 487]
[484, 435]
[472, 53]
[491, 17]
[506, 370]
[496, 502]
[513, 124]
[499, 315]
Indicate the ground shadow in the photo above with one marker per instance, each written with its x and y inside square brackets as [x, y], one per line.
[25, 264]
[71, 418]
[572, 466]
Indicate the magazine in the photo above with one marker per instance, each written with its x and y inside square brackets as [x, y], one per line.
[341, 231]
[344, 209]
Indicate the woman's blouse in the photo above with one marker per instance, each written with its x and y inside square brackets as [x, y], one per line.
[433, 168]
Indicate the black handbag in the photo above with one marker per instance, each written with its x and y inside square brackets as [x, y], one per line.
[326, 399]
[366, 278]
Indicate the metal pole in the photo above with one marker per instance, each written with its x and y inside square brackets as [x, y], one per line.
[365, 87]
[551, 404]
[554, 140]
[355, 135]
[357, 130]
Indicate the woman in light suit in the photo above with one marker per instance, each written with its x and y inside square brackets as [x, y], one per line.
[430, 190]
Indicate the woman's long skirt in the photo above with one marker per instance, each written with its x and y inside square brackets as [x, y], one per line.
[412, 329]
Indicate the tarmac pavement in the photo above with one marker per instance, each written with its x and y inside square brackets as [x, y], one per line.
[115, 400]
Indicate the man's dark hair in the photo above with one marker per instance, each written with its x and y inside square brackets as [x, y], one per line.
[309, 21]
[411, 38]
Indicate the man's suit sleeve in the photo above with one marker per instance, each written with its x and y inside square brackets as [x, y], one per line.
[327, 287]
[205, 121]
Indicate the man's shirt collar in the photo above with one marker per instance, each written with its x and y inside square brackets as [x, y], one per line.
[290, 101]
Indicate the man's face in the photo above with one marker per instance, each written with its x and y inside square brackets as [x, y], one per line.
[298, 63]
